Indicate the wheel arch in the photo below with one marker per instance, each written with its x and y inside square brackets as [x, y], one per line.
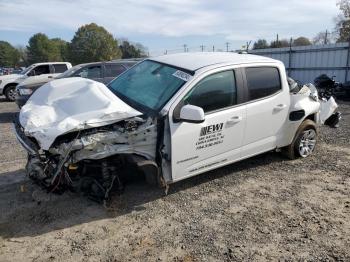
[9, 85]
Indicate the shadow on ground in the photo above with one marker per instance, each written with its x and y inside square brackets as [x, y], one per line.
[22, 216]
[6, 117]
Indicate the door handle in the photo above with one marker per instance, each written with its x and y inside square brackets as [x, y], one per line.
[280, 106]
[235, 119]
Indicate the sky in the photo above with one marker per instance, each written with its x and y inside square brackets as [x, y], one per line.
[162, 25]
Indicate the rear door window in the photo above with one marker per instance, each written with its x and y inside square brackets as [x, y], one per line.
[60, 68]
[262, 81]
[114, 70]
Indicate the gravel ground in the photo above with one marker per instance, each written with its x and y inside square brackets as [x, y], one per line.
[264, 208]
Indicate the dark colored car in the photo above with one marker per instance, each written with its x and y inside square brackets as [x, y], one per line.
[103, 72]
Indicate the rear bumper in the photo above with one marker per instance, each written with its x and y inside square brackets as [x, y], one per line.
[26, 143]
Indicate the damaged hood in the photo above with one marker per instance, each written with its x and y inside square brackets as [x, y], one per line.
[66, 105]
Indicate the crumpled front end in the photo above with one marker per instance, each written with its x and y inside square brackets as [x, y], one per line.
[94, 160]
[92, 147]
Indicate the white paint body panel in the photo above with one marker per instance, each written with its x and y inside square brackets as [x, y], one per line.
[66, 105]
[8, 79]
[189, 154]
[40, 79]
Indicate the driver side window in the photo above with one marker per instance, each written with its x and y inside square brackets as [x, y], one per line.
[214, 92]
[40, 70]
[91, 72]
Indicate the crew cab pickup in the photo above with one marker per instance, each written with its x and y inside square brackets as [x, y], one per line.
[169, 117]
[36, 72]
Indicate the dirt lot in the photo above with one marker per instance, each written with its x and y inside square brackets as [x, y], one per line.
[265, 208]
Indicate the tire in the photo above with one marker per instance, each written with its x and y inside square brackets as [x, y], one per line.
[304, 141]
[10, 93]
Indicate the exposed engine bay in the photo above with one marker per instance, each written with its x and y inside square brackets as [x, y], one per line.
[93, 161]
[86, 143]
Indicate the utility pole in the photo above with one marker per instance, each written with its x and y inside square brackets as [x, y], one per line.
[248, 45]
[202, 47]
[326, 37]
[213, 48]
[185, 48]
[227, 45]
[166, 52]
[277, 41]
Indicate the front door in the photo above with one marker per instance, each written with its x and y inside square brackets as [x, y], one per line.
[196, 148]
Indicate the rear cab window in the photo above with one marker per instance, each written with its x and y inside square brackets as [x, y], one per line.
[262, 82]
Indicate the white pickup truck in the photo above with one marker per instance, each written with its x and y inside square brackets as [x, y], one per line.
[169, 117]
[35, 72]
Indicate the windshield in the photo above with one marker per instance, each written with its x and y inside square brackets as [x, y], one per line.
[69, 72]
[149, 84]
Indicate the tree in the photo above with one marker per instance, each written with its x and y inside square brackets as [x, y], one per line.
[343, 21]
[60, 49]
[130, 50]
[279, 43]
[93, 43]
[9, 56]
[261, 44]
[143, 49]
[323, 38]
[301, 41]
[42, 49]
[23, 60]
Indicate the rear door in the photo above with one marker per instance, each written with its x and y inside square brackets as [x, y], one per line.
[112, 71]
[267, 108]
[59, 68]
[196, 148]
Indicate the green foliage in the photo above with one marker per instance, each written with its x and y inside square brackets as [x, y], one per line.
[42, 49]
[90, 43]
[343, 21]
[9, 56]
[301, 41]
[132, 51]
[93, 43]
[279, 44]
[261, 44]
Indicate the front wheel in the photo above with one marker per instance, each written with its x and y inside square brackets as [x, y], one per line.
[10, 93]
[304, 142]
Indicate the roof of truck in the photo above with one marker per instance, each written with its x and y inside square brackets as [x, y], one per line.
[195, 61]
[52, 63]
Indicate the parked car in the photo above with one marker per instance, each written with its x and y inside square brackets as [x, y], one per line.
[36, 71]
[102, 72]
[170, 117]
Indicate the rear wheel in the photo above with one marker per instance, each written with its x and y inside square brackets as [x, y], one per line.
[304, 142]
[10, 93]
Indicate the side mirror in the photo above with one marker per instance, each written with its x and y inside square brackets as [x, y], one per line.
[192, 114]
